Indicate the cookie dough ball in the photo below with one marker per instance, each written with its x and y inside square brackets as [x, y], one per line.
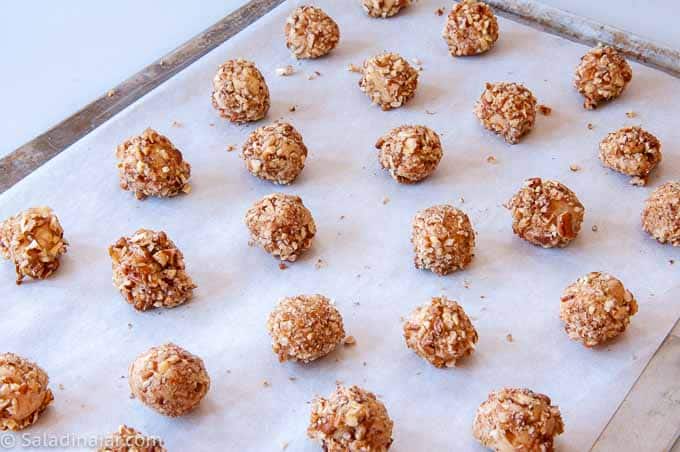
[127, 439]
[601, 76]
[240, 93]
[310, 32]
[148, 269]
[517, 420]
[410, 153]
[384, 8]
[508, 109]
[281, 225]
[596, 308]
[24, 394]
[546, 213]
[305, 328]
[34, 241]
[440, 332]
[388, 80]
[169, 379]
[471, 28]
[443, 239]
[661, 214]
[150, 165]
[275, 152]
[351, 419]
[631, 151]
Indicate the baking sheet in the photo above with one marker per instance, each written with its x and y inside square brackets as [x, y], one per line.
[77, 327]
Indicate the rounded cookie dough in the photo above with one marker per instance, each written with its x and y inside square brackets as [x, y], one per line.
[310, 32]
[388, 80]
[517, 420]
[443, 239]
[410, 153]
[149, 271]
[596, 308]
[384, 8]
[602, 75]
[661, 214]
[275, 152]
[24, 394]
[471, 28]
[631, 151]
[34, 241]
[508, 109]
[440, 332]
[546, 213]
[127, 439]
[351, 419]
[150, 165]
[169, 379]
[281, 225]
[305, 328]
[240, 93]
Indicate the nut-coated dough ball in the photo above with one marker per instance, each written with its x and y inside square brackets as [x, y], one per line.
[388, 80]
[305, 328]
[508, 109]
[24, 394]
[384, 8]
[169, 379]
[281, 225]
[127, 439]
[410, 153]
[240, 93]
[34, 241]
[546, 213]
[440, 332]
[351, 419]
[661, 214]
[149, 271]
[150, 165]
[631, 151]
[596, 308]
[602, 75]
[471, 28]
[443, 239]
[275, 152]
[513, 420]
[310, 32]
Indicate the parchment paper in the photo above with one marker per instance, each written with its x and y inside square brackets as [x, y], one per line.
[78, 328]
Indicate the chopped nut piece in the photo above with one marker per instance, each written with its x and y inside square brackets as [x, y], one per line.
[471, 28]
[34, 241]
[596, 308]
[544, 110]
[574, 167]
[111, 93]
[508, 109]
[594, 228]
[285, 71]
[305, 328]
[349, 341]
[443, 239]
[169, 379]
[440, 332]
[351, 419]
[590, 126]
[602, 75]
[631, 151]
[127, 439]
[354, 68]
[240, 93]
[24, 394]
[384, 8]
[388, 80]
[282, 266]
[150, 165]
[310, 32]
[292, 108]
[661, 214]
[320, 263]
[491, 159]
[385, 200]
[631, 114]
[517, 420]
[266, 383]
[546, 213]
[230, 148]
[439, 12]
[410, 153]
[509, 338]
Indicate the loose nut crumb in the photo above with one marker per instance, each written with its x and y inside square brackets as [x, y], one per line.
[349, 341]
[177, 124]
[230, 148]
[111, 93]
[509, 338]
[320, 263]
[292, 108]
[594, 228]
[544, 110]
[314, 75]
[631, 114]
[265, 383]
[354, 68]
[439, 12]
[491, 159]
[590, 126]
[385, 200]
[282, 266]
[574, 167]
[285, 71]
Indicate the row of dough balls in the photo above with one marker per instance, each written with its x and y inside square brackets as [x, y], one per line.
[149, 269]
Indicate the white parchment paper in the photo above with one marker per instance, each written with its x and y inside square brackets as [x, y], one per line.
[78, 328]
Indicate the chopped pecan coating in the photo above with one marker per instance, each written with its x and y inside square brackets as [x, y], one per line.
[240, 93]
[275, 152]
[388, 80]
[310, 32]
[410, 153]
[24, 394]
[127, 439]
[631, 151]
[471, 28]
[661, 214]
[601, 76]
[508, 109]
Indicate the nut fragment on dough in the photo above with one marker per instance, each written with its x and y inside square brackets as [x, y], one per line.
[24, 394]
[275, 152]
[471, 28]
[240, 92]
[127, 439]
[384, 8]
[388, 80]
[310, 32]
[169, 379]
[631, 151]
[661, 214]
[34, 241]
[508, 109]
[601, 76]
